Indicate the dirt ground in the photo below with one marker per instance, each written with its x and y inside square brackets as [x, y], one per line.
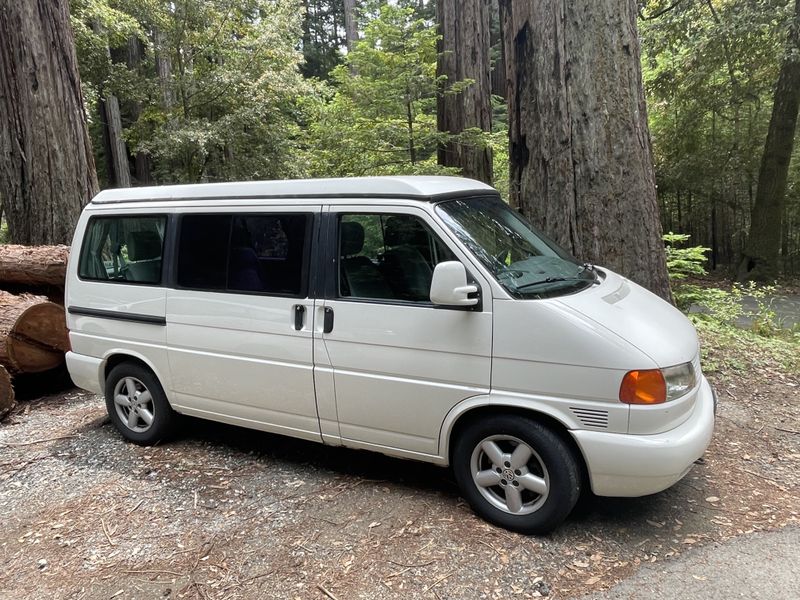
[224, 512]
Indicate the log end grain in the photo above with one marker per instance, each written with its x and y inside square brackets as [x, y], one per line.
[39, 338]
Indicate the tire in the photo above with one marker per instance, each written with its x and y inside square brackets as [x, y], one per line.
[134, 396]
[516, 473]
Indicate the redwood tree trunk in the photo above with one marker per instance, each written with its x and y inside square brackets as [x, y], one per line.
[350, 23]
[464, 55]
[580, 155]
[119, 174]
[46, 166]
[163, 69]
[760, 261]
[142, 163]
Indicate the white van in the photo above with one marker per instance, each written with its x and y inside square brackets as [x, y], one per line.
[420, 317]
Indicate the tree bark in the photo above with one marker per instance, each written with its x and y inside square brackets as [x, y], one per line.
[47, 168]
[7, 402]
[464, 55]
[580, 155]
[350, 24]
[760, 261]
[119, 174]
[142, 162]
[163, 69]
[33, 333]
[33, 265]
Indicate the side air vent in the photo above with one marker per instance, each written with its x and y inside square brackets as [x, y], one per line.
[591, 417]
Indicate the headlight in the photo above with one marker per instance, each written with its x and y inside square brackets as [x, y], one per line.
[656, 386]
[679, 379]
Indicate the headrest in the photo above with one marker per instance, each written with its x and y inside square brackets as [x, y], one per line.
[404, 231]
[143, 245]
[352, 238]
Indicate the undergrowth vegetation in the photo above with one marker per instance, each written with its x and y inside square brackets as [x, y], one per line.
[723, 318]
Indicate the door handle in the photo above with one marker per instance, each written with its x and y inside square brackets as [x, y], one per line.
[299, 316]
[327, 323]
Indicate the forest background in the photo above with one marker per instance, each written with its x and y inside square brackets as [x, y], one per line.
[218, 90]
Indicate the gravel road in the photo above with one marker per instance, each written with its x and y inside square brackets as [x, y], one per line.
[223, 512]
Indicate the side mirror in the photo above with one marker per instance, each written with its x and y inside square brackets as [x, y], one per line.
[449, 285]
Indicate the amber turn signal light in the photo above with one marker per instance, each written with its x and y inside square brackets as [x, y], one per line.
[643, 387]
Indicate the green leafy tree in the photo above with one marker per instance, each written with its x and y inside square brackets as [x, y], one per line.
[379, 117]
[710, 67]
[216, 90]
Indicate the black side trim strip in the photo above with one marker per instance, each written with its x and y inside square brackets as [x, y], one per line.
[116, 315]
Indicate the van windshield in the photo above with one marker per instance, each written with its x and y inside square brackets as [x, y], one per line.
[523, 261]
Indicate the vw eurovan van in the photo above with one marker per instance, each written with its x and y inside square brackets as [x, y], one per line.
[419, 317]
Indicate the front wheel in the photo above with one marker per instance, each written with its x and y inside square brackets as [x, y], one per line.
[516, 473]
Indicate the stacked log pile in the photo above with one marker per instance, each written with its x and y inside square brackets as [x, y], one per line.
[33, 329]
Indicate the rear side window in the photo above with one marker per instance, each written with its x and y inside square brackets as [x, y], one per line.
[123, 249]
[266, 253]
[203, 251]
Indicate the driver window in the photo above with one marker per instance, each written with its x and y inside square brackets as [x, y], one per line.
[388, 257]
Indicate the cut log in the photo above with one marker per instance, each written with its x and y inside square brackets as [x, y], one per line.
[33, 333]
[7, 402]
[33, 265]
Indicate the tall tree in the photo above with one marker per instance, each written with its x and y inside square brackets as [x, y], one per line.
[350, 23]
[47, 170]
[465, 110]
[116, 152]
[580, 156]
[760, 261]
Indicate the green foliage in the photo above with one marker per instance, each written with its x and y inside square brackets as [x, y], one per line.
[710, 68]
[379, 115]
[227, 105]
[723, 308]
[684, 262]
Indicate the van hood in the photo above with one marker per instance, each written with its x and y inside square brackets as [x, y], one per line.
[653, 326]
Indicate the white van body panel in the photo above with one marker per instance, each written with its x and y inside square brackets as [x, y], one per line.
[399, 369]
[638, 317]
[101, 335]
[391, 377]
[239, 355]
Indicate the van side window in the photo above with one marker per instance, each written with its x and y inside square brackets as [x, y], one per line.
[263, 253]
[203, 251]
[123, 249]
[388, 257]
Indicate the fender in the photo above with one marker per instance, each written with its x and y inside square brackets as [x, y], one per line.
[555, 408]
[162, 377]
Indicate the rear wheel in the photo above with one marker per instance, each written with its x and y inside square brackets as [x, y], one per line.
[516, 473]
[137, 404]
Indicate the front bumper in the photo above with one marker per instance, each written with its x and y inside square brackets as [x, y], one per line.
[637, 465]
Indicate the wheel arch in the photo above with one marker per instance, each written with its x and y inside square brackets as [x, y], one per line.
[475, 408]
[117, 357]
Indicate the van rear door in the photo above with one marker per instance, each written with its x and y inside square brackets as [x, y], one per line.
[240, 316]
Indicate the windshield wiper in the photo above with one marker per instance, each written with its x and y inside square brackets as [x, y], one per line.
[555, 280]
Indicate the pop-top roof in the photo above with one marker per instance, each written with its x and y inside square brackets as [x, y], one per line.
[416, 187]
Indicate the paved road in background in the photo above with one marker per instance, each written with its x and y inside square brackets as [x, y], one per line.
[787, 309]
[765, 565]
